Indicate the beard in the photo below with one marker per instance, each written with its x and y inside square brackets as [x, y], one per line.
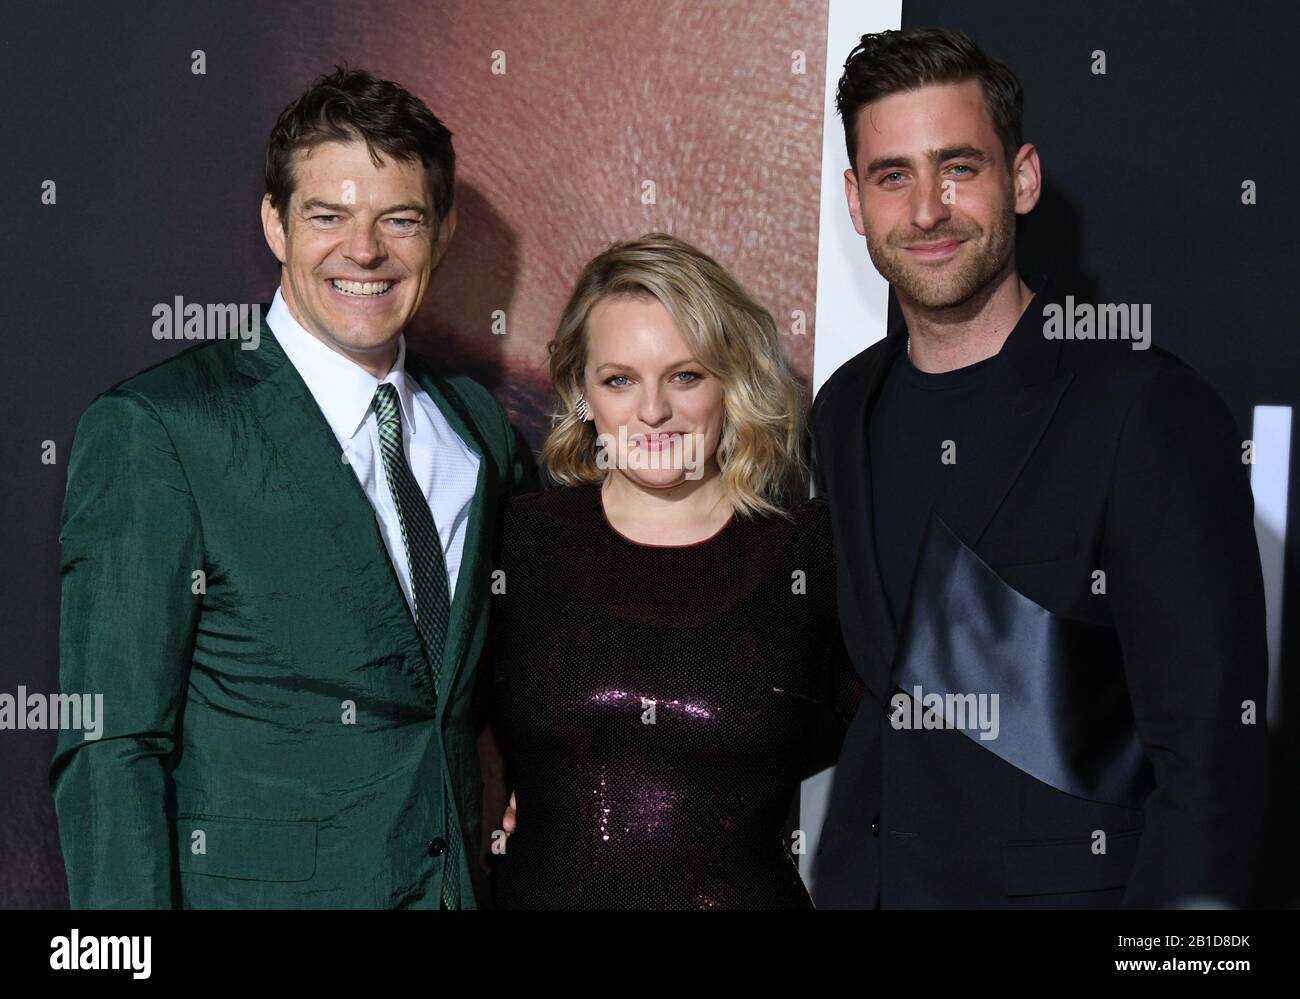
[982, 258]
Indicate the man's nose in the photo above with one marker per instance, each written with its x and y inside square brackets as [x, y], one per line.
[929, 209]
[364, 246]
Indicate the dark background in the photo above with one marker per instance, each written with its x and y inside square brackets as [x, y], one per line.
[159, 177]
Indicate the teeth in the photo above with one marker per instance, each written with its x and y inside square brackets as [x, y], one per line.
[362, 287]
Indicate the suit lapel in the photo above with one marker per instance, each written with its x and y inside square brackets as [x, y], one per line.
[1010, 416]
[856, 475]
[316, 480]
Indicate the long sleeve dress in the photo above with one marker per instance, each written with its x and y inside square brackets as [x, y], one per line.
[657, 706]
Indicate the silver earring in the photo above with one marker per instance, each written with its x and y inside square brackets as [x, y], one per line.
[584, 413]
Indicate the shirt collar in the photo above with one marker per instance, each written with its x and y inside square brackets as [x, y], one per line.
[342, 388]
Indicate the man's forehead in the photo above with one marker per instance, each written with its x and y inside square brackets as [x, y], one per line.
[941, 105]
[332, 164]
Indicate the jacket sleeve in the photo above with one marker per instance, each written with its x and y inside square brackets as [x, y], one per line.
[841, 688]
[1182, 574]
[814, 432]
[523, 466]
[131, 543]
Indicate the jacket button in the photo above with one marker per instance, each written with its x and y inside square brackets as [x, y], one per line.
[437, 847]
[875, 825]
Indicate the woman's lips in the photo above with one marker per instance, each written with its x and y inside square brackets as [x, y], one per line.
[655, 442]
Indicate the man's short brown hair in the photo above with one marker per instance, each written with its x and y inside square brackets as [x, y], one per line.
[892, 62]
[348, 105]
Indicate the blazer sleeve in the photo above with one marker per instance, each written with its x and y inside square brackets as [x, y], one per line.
[842, 693]
[841, 688]
[130, 544]
[1182, 573]
[814, 443]
[523, 466]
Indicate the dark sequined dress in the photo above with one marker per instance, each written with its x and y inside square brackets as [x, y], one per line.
[656, 706]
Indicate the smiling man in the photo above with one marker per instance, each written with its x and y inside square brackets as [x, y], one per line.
[275, 563]
[1060, 528]
[357, 240]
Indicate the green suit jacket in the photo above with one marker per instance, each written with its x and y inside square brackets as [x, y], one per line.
[272, 735]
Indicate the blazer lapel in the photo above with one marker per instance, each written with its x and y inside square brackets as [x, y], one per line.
[1010, 416]
[316, 479]
[856, 496]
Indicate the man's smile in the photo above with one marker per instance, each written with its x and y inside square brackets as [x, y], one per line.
[361, 290]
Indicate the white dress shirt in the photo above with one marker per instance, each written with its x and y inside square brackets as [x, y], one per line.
[445, 468]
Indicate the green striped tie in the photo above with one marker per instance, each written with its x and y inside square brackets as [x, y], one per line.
[428, 583]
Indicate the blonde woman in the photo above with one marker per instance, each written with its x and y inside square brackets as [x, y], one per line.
[664, 642]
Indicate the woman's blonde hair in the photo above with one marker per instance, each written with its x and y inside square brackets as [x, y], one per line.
[760, 451]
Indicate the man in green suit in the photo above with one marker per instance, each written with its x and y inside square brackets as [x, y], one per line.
[275, 564]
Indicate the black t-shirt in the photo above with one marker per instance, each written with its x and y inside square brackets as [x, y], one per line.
[915, 417]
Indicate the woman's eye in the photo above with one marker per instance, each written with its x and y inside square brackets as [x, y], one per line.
[613, 378]
[693, 376]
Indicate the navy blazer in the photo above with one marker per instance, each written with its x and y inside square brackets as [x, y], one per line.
[1087, 456]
